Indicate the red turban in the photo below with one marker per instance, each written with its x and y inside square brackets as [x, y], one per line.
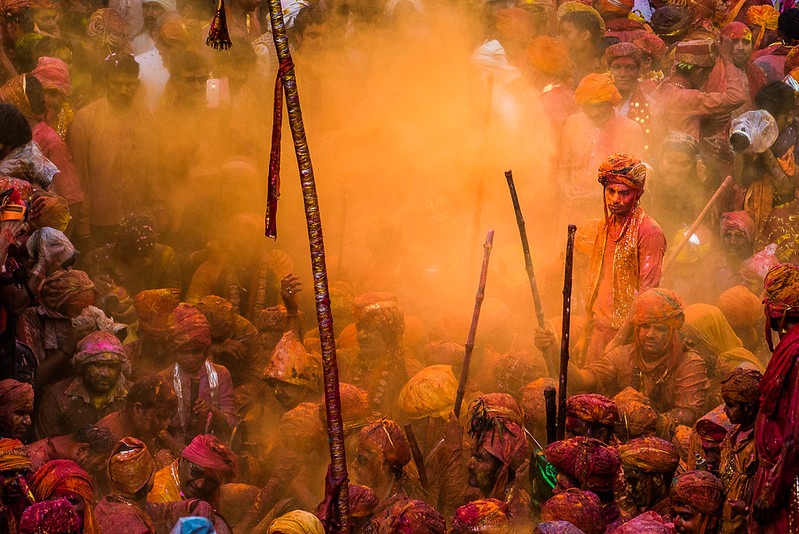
[580, 508]
[209, 452]
[109, 29]
[699, 53]
[153, 307]
[699, 489]
[594, 465]
[66, 475]
[62, 287]
[412, 517]
[12, 7]
[188, 329]
[53, 73]
[49, 516]
[597, 89]
[658, 305]
[742, 385]
[737, 30]
[651, 44]
[592, 408]
[618, 7]
[130, 467]
[737, 220]
[387, 438]
[650, 455]
[484, 515]
[646, 523]
[619, 50]
[496, 406]
[15, 396]
[623, 169]
[220, 314]
[550, 56]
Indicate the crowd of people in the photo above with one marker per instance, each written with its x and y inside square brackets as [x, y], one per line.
[160, 367]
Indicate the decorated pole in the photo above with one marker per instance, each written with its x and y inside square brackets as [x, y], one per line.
[286, 80]
[565, 329]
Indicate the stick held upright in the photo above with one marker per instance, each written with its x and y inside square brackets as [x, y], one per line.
[564, 340]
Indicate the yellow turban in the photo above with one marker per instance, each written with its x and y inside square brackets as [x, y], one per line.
[429, 393]
[296, 522]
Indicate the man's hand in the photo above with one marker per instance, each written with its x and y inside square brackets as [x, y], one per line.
[11, 230]
[231, 348]
[290, 285]
[725, 51]
[738, 506]
[545, 338]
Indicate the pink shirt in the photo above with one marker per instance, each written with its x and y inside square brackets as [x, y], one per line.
[66, 183]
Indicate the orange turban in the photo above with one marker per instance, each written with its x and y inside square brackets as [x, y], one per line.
[387, 438]
[597, 89]
[649, 454]
[623, 169]
[550, 56]
[292, 363]
[742, 385]
[592, 408]
[153, 307]
[700, 489]
[532, 401]
[13, 455]
[485, 515]
[764, 16]
[356, 408]
[429, 393]
[636, 419]
[130, 467]
[66, 475]
[658, 305]
[15, 396]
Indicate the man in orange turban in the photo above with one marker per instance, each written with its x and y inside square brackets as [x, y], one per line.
[591, 415]
[649, 464]
[696, 499]
[66, 479]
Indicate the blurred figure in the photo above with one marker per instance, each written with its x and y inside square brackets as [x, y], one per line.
[16, 407]
[152, 10]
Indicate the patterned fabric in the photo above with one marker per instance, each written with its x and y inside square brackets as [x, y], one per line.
[484, 515]
[592, 408]
[594, 465]
[649, 454]
[429, 393]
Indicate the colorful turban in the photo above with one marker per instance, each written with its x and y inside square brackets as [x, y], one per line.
[209, 452]
[764, 16]
[699, 53]
[595, 89]
[646, 523]
[791, 61]
[658, 305]
[671, 22]
[14, 91]
[516, 368]
[14, 396]
[594, 465]
[101, 347]
[650, 455]
[292, 363]
[49, 516]
[302, 425]
[386, 438]
[556, 527]
[59, 475]
[220, 314]
[109, 29]
[651, 44]
[580, 508]
[188, 329]
[500, 406]
[485, 515]
[296, 522]
[413, 517]
[742, 308]
[429, 393]
[532, 401]
[737, 30]
[53, 73]
[153, 307]
[130, 467]
[382, 309]
[741, 385]
[737, 220]
[712, 427]
[636, 419]
[592, 408]
[623, 169]
[699, 489]
[62, 287]
[782, 291]
[619, 50]
[53, 212]
[13, 455]
[362, 501]
[550, 56]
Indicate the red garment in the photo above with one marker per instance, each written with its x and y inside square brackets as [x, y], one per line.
[209, 452]
[66, 183]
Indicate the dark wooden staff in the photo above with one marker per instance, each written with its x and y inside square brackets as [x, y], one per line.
[528, 259]
[416, 452]
[478, 302]
[552, 413]
[564, 340]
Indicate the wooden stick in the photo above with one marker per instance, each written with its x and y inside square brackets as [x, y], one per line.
[324, 316]
[418, 459]
[552, 413]
[564, 340]
[478, 302]
[687, 237]
[528, 260]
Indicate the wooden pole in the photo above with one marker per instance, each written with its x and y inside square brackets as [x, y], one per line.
[564, 340]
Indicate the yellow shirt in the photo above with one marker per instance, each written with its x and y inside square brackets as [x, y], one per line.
[166, 486]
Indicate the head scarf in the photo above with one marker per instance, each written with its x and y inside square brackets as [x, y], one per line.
[619, 50]
[741, 385]
[651, 44]
[13, 455]
[53, 73]
[66, 475]
[706, 324]
[671, 21]
[594, 465]
[700, 489]
[485, 515]
[650, 455]
[362, 501]
[188, 329]
[153, 307]
[49, 516]
[109, 29]
[532, 401]
[592, 408]
[14, 396]
[737, 30]
[658, 305]
[501, 406]
[742, 308]
[387, 438]
[737, 220]
[429, 393]
[698, 52]
[597, 88]
[623, 169]
[193, 525]
[713, 427]
[292, 363]
[646, 523]
[209, 452]
[302, 425]
[130, 466]
[58, 289]
[220, 314]
[766, 17]
[296, 522]
[52, 245]
[636, 419]
[580, 508]
[550, 56]
[101, 347]
[14, 91]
